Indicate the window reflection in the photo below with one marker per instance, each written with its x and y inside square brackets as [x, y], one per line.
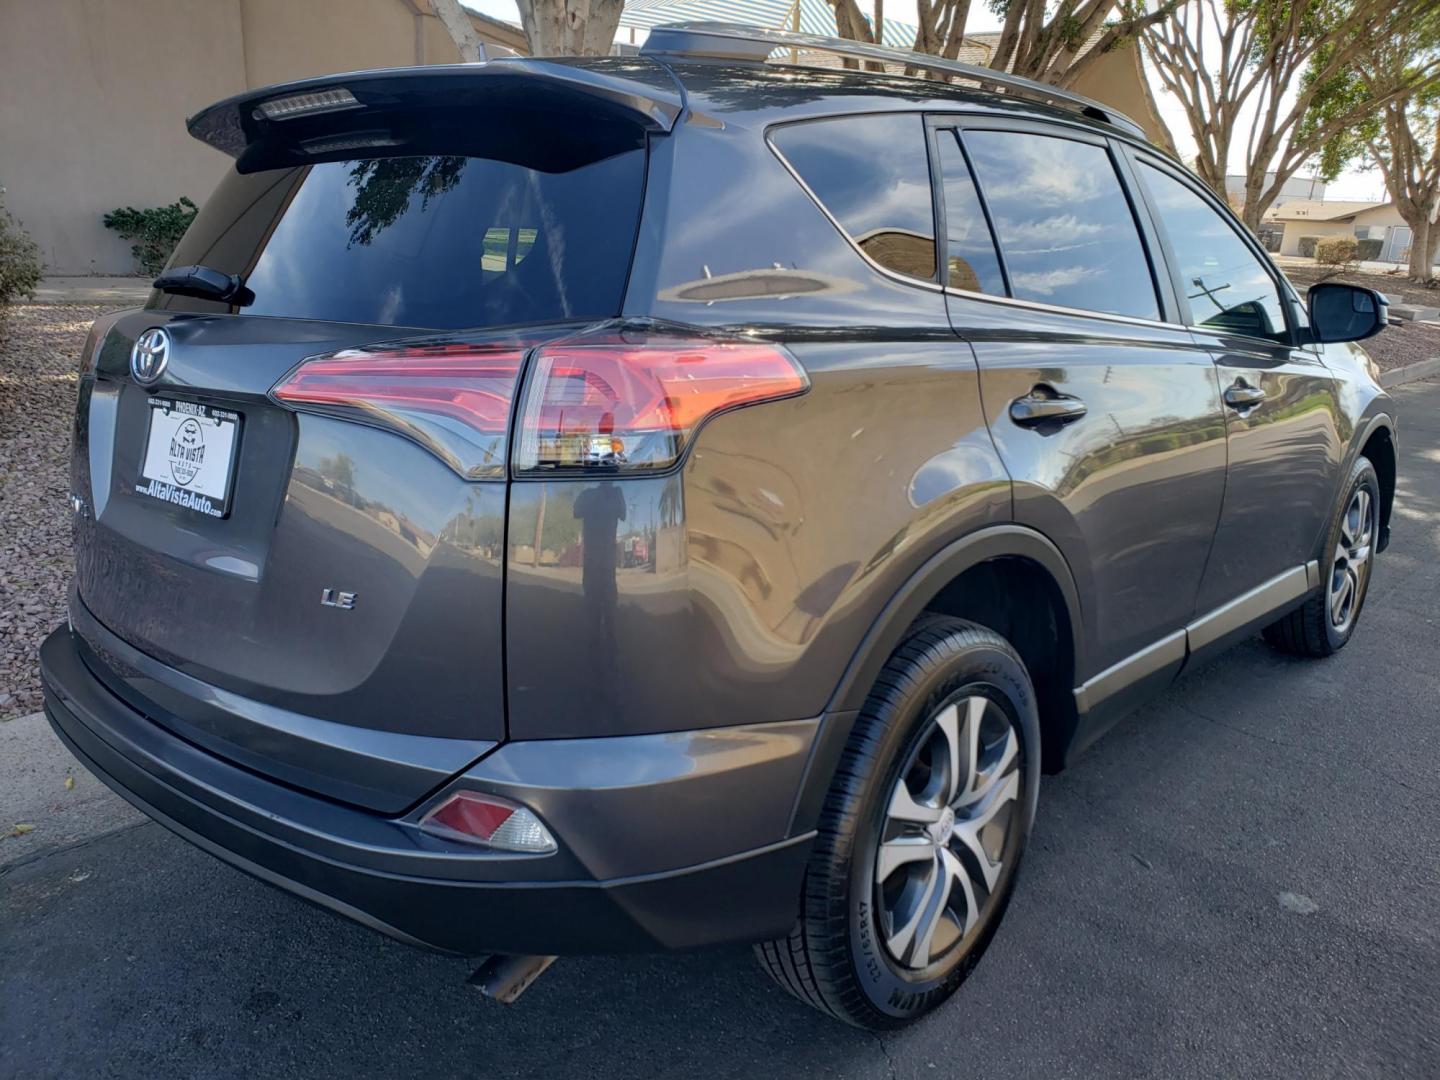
[384, 188]
[1227, 286]
[872, 174]
[427, 240]
[971, 262]
[1063, 223]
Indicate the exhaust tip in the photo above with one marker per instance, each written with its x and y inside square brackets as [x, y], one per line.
[504, 978]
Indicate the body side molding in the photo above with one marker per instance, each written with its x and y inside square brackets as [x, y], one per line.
[1233, 617]
[1251, 606]
[1170, 649]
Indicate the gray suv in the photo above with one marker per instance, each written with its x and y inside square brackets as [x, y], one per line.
[565, 506]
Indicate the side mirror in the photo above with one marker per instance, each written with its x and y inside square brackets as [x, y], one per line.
[1345, 312]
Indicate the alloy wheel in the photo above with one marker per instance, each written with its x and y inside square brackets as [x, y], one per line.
[943, 842]
[1349, 573]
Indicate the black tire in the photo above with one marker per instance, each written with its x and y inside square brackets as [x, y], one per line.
[1310, 630]
[835, 959]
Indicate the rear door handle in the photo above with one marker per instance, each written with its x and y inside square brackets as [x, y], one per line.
[1242, 395]
[1033, 409]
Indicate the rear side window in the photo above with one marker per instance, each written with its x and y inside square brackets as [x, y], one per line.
[1225, 283]
[431, 241]
[970, 259]
[872, 173]
[1063, 222]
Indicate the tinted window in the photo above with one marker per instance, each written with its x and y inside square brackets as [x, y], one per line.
[873, 175]
[1227, 286]
[970, 257]
[1063, 223]
[430, 241]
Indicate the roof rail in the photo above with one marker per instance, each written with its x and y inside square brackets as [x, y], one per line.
[736, 41]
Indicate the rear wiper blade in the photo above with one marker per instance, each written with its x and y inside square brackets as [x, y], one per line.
[205, 283]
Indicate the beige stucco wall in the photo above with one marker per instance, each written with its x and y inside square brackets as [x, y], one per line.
[92, 109]
[1117, 79]
[286, 39]
[1381, 215]
[94, 96]
[1294, 230]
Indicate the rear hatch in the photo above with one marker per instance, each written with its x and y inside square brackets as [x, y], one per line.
[309, 581]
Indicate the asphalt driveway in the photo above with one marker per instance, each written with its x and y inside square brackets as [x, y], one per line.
[1243, 879]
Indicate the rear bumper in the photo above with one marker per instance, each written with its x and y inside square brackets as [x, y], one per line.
[383, 873]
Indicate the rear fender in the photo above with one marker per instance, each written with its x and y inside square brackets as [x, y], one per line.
[894, 622]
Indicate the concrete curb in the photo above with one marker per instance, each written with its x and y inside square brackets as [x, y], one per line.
[1421, 369]
[103, 291]
[34, 766]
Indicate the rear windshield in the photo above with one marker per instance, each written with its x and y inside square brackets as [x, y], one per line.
[437, 242]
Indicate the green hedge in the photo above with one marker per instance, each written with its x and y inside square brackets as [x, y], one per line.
[155, 231]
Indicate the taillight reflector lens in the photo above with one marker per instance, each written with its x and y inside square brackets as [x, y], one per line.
[634, 406]
[453, 399]
[475, 818]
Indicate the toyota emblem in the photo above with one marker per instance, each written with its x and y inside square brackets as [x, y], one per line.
[149, 355]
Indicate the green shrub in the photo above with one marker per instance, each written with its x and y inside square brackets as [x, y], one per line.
[1307, 246]
[1368, 250]
[20, 265]
[1338, 254]
[155, 231]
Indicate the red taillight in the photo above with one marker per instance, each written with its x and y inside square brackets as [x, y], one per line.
[476, 818]
[634, 405]
[604, 403]
[453, 399]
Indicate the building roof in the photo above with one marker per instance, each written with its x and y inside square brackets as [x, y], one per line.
[816, 16]
[1328, 210]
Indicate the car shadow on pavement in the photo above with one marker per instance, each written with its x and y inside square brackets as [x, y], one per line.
[188, 962]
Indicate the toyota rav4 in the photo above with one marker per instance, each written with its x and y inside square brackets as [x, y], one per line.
[563, 506]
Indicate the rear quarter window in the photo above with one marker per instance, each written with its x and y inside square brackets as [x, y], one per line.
[432, 241]
[872, 174]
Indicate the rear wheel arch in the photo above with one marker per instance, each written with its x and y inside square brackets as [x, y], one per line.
[1020, 548]
[1019, 599]
[1379, 447]
[969, 579]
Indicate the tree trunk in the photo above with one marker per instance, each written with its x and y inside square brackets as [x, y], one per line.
[460, 28]
[574, 28]
[1423, 238]
[1255, 207]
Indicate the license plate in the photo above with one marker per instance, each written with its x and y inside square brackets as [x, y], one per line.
[190, 456]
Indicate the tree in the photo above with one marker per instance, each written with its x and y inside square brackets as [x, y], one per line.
[1287, 66]
[1039, 40]
[1408, 155]
[1046, 44]
[552, 27]
[1403, 140]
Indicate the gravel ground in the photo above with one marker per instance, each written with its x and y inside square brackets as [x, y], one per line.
[1396, 346]
[39, 348]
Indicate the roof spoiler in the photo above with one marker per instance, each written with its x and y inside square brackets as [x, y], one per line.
[290, 123]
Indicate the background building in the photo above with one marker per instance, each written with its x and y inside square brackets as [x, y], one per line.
[1310, 188]
[1288, 225]
[93, 96]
